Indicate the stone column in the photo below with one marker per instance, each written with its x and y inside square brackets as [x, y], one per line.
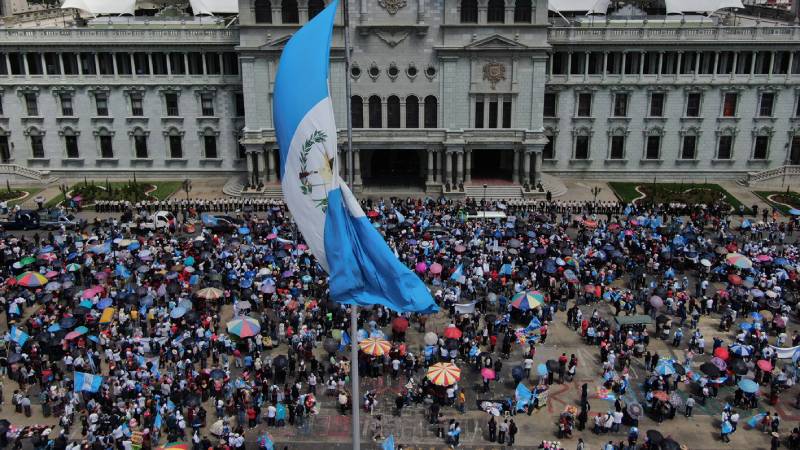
[384, 113]
[791, 62]
[403, 112]
[468, 167]
[440, 155]
[753, 64]
[256, 168]
[270, 165]
[430, 166]
[276, 13]
[249, 158]
[460, 167]
[483, 12]
[302, 11]
[537, 167]
[448, 175]
[515, 170]
[356, 167]
[526, 168]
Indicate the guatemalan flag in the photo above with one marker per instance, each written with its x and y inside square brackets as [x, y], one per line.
[18, 336]
[363, 270]
[87, 382]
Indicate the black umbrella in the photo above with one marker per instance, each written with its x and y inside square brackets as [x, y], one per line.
[4, 425]
[192, 401]
[710, 369]
[679, 369]
[738, 366]
[654, 436]
[330, 345]
[518, 373]
[280, 361]
[451, 344]
[14, 358]
[635, 410]
[669, 444]
[662, 318]
[552, 365]
[67, 322]
[80, 311]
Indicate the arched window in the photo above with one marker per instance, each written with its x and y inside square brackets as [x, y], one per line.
[469, 11]
[263, 11]
[522, 11]
[210, 144]
[412, 112]
[70, 143]
[36, 138]
[357, 111]
[139, 137]
[496, 12]
[431, 113]
[289, 11]
[375, 113]
[315, 7]
[105, 141]
[393, 112]
[652, 145]
[175, 143]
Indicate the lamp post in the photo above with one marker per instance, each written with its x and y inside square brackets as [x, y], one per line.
[596, 191]
[484, 199]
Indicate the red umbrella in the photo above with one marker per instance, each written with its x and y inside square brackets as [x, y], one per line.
[452, 333]
[400, 324]
[372, 214]
[661, 395]
[488, 373]
[764, 365]
[722, 353]
[460, 249]
[735, 279]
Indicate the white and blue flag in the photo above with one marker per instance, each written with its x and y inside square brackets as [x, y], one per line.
[87, 382]
[363, 270]
[18, 336]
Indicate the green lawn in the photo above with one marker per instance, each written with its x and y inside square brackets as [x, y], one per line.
[793, 199]
[32, 192]
[666, 192]
[163, 190]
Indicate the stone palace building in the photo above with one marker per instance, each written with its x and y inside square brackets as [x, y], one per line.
[448, 95]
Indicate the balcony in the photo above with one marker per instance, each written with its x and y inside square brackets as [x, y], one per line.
[133, 36]
[775, 34]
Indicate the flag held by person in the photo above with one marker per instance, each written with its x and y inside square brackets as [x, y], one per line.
[87, 382]
[363, 270]
[388, 444]
[18, 336]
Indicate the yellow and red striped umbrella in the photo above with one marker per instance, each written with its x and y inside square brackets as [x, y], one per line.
[444, 374]
[375, 346]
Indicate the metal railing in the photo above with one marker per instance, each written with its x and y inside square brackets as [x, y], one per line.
[650, 33]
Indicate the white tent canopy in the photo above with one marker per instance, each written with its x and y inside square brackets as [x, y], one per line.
[97, 7]
[214, 6]
[701, 6]
[590, 6]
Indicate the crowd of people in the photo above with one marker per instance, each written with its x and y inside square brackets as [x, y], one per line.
[215, 338]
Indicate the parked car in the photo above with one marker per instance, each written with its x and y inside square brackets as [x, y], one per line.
[220, 223]
[22, 220]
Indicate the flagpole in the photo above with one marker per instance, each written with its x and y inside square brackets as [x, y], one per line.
[356, 402]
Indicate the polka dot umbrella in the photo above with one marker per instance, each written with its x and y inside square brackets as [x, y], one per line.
[444, 374]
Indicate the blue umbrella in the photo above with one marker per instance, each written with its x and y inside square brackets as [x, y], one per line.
[794, 212]
[54, 328]
[188, 261]
[746, 326]
[747, 385]
[134, 246]
[46, 249]
[104, 303]
[664, 367]
[246, 283]
[85, 304]
[741, 350]
[177, 312]
[244, 230]
[541, 369]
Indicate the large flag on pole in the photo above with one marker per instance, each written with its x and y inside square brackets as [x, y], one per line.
[363, 270]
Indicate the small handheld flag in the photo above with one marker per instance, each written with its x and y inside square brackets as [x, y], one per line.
[87, 382]
[18, 336]
[388, 444]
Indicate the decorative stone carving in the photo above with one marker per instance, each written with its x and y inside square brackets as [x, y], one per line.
[392, 6]
[391, 39]
[494, 72]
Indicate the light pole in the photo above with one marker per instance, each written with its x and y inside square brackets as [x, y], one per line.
[484, 199]
[595, 192]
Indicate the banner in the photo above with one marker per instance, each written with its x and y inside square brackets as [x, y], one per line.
[467, 308]
[785, 352]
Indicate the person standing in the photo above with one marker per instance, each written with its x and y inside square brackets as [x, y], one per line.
[492, 429]
[512, 432]
[689, 406]
[501, 435]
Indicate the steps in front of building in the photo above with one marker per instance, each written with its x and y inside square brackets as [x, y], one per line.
[514, 191]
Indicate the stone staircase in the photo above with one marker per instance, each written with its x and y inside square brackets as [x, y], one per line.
[769, 177]
[515, 191]
[234, 187]
[15, 170]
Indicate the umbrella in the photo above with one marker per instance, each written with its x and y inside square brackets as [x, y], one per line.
[767, 315]
[656, 302]
[705, 262]
[635, 410]
[244, 327]
[794, 212]
[741, 350]
[669, 444]
[527, 300]
[210, 293]
[735, 279]
[747, 385]
[216, 428]
[192, 401]
[430, 338]
[280, 361]
[400, 324]
[710, 369]
[764, 365]
[54, 328]
[664, 367]
[375, 346]
[67, 322]
[679, 369]
[739, 261]
[436, 268]
[488, 373]
[721, 365]
[722, 353]
[444, 374]
[738, 367]
[27, 261]
[218, 374]
[175, 446]
[654, 436]
[73, 267]
[552, 365]
[661, 395]
[177, 312]
[14, 358]
[541, 370]
[31, 279]
[452, 333]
